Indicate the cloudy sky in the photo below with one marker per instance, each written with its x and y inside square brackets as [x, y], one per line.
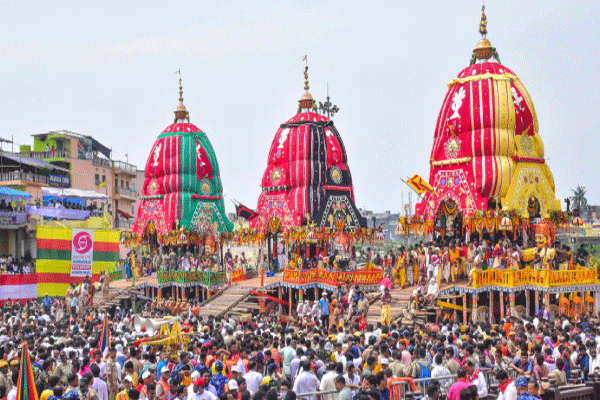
[106, 69]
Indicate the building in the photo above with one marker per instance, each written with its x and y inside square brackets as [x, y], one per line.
[386, 220]
[71, 160]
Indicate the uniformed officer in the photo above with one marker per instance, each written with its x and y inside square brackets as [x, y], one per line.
[63, 369]
[86, 392]
[112, 373]
[3, 375]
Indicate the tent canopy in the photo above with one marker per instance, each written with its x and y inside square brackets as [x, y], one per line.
[7, 191]
[32, 162]
[82, 194]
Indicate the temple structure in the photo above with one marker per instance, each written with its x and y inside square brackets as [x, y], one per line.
[307, 179]
[487, 152]
[182, 186]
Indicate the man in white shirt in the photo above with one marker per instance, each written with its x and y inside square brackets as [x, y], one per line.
[432, 290]
[476, 377]
[98, 384]
[202, 394]
[594, 357]
[328, 381]
[440, 370]
[508, 390]
[338, 354]
[253, 378]
[306, 382]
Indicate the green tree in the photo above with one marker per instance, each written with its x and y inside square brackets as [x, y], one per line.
[578, 200]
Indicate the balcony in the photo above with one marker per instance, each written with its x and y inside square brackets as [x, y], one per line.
[12, 218]
[580, 275]
[45, 155]
[125, 167]
[124, 224]
[365, 277]
[24, 176]
[126, 193]
[101, 162]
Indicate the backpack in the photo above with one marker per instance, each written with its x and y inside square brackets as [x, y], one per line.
[424, 373]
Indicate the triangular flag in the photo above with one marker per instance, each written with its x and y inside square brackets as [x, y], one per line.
[26, 389]
[104, 335]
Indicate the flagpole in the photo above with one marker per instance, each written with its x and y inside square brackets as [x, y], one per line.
[413, 189]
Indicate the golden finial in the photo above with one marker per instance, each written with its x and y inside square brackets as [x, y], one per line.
[306, 101]
[484, 49]
[483, 22]
[181, 112]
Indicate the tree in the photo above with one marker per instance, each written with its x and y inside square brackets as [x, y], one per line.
[578, 200]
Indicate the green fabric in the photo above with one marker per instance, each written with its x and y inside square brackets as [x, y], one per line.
[191, 208]
[53, 254]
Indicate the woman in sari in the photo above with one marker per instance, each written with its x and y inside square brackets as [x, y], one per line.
[400, 274]
[128, 272]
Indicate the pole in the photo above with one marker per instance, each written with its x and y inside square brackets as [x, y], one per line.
[511, 297]
[269, 256]
[528, 303]
[464, 308]
[491, 307]
[474, 310]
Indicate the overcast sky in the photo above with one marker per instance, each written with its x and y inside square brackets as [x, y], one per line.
[106, 69]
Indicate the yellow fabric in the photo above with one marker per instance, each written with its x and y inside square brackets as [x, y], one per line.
[386, 315]
[45, 232]
[45, 394]
[64, 266]
[481, 77]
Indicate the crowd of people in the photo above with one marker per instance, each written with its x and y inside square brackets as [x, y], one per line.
[14, 266]
[316, 352]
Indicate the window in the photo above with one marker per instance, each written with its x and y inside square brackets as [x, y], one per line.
[132, 186]
[97, 179]
[103, 178]
[122, 184]
[116, 183]
[127, 184]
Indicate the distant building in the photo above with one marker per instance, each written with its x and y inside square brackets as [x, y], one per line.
[71, 160]
[387, 220]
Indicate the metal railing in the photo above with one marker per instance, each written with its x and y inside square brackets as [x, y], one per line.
[13, 218]
[125, 166]
[103, 162]
[405, 387]
[23, 176]
[324, 395]
[126, 192]
[123, 224]
[43, 155]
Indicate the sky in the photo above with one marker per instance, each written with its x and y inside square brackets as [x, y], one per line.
[107, 69]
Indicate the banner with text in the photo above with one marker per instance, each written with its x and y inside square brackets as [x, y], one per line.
[82, 252]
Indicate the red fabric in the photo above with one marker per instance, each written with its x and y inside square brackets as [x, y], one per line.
[296, 179]
[203, 165]
[469, 118]
[503, 387]
[335, 153]
[164, 170]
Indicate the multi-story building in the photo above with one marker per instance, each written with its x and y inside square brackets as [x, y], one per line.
[86, 164]
[387, 221]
